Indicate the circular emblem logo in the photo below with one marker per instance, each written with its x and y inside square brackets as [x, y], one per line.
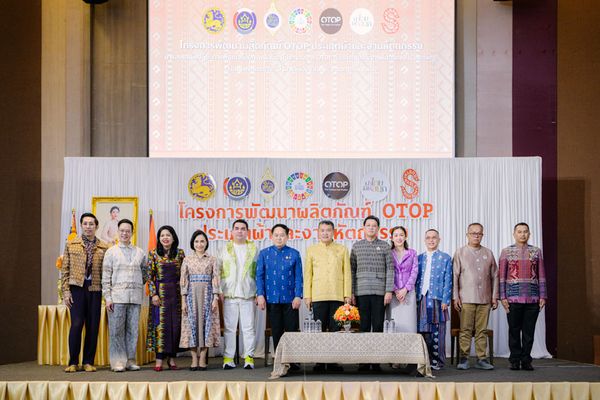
[214, 20]
[236, 187]
[336, 185]
[300, 20]
[202, 186]
[272, 21]
[268, 186]
[244, 21]
[330, 21]
[361, 21]
[299, 185]
[375, 186]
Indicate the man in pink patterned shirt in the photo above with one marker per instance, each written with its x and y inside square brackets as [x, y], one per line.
[523, 294]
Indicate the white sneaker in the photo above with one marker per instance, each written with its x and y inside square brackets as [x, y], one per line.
[119, 368]
[248, 362]
[229, 365]
[133, 367]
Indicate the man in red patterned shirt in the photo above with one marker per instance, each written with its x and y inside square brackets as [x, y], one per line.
[523, 294]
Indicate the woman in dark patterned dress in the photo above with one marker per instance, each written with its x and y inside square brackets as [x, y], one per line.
[164, 321]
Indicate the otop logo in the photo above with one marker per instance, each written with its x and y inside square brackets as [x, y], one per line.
[331, 21]
[336, 185]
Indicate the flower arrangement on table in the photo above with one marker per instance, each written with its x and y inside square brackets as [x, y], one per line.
[345, 315]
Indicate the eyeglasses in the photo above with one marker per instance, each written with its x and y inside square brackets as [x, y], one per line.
[475, 233]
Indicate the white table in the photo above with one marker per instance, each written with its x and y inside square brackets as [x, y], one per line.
[350, 348]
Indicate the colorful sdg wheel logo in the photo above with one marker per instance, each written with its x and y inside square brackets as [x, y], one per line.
[299, 185]
[300, 21]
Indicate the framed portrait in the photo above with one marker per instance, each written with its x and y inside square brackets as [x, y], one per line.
[109, 211]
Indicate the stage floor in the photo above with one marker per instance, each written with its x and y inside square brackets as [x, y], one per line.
[549, 370]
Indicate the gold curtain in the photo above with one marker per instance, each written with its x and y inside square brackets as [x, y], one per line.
[301, 390]
[53, 337]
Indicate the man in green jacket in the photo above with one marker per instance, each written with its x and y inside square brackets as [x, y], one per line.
[238, 288]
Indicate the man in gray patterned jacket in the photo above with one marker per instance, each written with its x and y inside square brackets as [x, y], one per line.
[372, 279]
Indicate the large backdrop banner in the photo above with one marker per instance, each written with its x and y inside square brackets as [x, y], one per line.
[209, 194]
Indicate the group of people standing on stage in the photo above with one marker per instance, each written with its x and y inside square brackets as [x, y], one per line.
[384, 281]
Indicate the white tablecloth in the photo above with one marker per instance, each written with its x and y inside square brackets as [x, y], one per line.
[351, 348]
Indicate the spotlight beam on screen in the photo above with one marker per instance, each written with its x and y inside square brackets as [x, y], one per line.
[316, 79]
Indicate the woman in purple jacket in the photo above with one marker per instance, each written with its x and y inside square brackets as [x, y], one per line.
[403, 309]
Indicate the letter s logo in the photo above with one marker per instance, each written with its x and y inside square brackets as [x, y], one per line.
[391, 17]
[410, 173]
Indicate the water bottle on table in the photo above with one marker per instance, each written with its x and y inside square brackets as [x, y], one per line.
[305, 324]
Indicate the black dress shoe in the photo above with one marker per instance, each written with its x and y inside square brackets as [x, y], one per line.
[526, 366]
[515, 366]
[294, 367]
[364, 367]
[194, 368]
[202, 368]
[334, 368]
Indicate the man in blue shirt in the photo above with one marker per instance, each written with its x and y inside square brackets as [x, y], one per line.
[279, 283]
[434, 292]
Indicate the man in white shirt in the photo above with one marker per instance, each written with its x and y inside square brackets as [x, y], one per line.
[434, 292]
[123, 270]
[238, 287]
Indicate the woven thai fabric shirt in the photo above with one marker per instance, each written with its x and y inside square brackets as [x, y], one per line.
[74, 262]
[279, 274]
[522, 274]
[123, 274]
[238, 277]
[372, 268]
[440, 278]
[475, 275]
